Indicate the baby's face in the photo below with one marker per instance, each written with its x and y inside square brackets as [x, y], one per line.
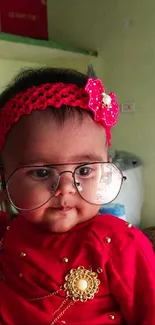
[39, 140]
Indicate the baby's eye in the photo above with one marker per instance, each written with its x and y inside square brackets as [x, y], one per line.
[84, 171]
[39, 173]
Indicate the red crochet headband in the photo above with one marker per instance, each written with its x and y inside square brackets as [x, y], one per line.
[93, 98]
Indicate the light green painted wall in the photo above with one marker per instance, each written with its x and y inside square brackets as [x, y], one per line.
[129, 61]
[9, 68]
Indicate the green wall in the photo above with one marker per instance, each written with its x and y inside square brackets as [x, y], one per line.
[129, 70]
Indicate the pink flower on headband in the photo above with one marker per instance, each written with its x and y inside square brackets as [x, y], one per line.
[104, 107]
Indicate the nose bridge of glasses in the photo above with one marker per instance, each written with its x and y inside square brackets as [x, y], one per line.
[67, 183]
[65, 172]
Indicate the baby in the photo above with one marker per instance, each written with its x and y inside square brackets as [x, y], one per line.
[61, 262]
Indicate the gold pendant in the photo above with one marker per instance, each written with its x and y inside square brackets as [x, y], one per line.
[81, 284]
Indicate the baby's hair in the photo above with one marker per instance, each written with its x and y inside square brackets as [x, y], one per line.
[35, 77]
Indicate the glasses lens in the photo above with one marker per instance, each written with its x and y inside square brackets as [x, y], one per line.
[30, 187]
[98, 183]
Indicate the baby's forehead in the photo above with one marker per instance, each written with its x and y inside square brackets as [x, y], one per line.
[40, 137]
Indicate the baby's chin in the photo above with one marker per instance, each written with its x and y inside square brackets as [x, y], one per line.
[61, 221]
[63, 225]
[60, 227]
[55, 221]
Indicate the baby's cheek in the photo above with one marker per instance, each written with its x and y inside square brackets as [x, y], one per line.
[35, 216]
[88, 211]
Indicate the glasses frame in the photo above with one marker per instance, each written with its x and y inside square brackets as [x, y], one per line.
[5, 182]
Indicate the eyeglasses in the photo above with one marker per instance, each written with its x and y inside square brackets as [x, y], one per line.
[31, 187]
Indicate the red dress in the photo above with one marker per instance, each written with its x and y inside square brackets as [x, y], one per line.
[35, 262]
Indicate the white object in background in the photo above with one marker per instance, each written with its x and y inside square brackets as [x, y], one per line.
[132, 191]
[128, 107]
[131, 195]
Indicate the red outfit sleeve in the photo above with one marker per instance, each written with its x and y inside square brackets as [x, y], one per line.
[132, 278]
[4, 221]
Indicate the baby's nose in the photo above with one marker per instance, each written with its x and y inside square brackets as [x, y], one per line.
[66, 185]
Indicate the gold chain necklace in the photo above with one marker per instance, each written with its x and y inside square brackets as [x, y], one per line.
[80, 285]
